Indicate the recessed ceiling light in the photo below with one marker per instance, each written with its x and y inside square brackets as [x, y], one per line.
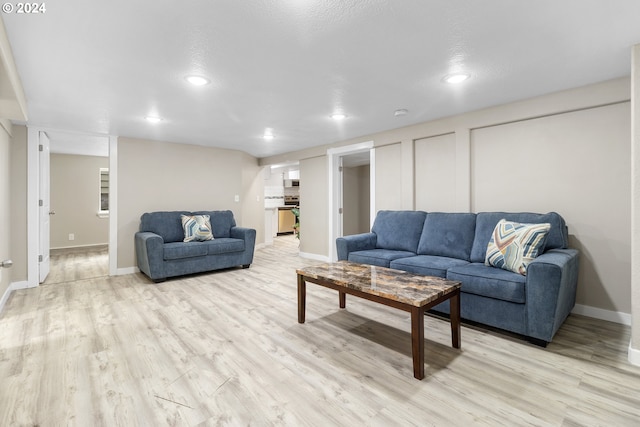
[456, 78]
[153, 119]
[268, 134]
[197, 80]
[400, 112]
[338, 116]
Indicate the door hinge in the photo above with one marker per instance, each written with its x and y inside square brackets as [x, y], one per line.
[40, 147]
[340, 169]
[39, 258]
[340, 210]
[40, 202]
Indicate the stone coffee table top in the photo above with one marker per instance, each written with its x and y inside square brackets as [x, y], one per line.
[397, 285]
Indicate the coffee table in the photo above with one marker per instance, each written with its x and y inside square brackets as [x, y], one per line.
[395, 288]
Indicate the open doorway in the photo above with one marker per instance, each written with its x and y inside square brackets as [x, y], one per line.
[281, 202]
[352, 191]
[356, 193]
[78, 182]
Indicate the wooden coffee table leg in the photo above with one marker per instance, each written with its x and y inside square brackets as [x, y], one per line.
[302, 296]
[417, 341]
[343, 299]
[454, 310]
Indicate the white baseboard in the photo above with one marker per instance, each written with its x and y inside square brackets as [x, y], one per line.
[12, 287]
[5, 297]
[634, 355]
[599, 313]
[314, 256]
[81, 247]
[128, 270]
[21, 285]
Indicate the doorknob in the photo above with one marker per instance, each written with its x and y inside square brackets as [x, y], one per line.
[52, 213]
[7, 263]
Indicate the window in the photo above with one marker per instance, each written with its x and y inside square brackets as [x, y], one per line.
[104, 192]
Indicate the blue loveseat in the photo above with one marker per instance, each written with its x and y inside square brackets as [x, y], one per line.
[454, 246]
[161, 251]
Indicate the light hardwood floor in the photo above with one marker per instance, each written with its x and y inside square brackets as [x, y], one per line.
[70, 264]
[225, 349]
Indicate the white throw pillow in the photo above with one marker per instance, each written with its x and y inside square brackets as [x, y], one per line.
[197, 228]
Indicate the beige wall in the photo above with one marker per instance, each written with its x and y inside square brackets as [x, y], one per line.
[578, 145]
[5, 206]
[435, 162]
[365, 198]
[634, 347]
[18, 181]
[355, 218]
[388, 177]
[350, 201]
[154, 176]
[13, 203]
[252, 196]
[576, 164]
[314, 221]
[75, 186]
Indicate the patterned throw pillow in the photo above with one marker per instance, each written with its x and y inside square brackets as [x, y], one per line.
[513, 245]
[197, 228]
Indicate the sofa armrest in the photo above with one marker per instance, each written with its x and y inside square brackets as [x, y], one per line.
[550, 291]
[150, 254]
[355, 242]
[249, 237]
[246, 234]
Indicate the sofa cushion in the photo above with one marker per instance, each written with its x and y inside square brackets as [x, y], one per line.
[221, 222]
[180, 250]
[224, 245]
[165, 224]
[491, 282]
[427, 265]
[514, 245]
[448, 235]
[197, 228]
[486, 222]
[398, 230]
[379, 257]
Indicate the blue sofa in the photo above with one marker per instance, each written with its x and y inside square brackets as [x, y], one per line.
[161, 251]
[454, 245]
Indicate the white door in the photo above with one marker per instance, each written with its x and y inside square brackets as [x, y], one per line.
[44, 207]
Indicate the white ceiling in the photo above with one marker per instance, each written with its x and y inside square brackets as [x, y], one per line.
[102, 66]
[78, 143]
[356, 159]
